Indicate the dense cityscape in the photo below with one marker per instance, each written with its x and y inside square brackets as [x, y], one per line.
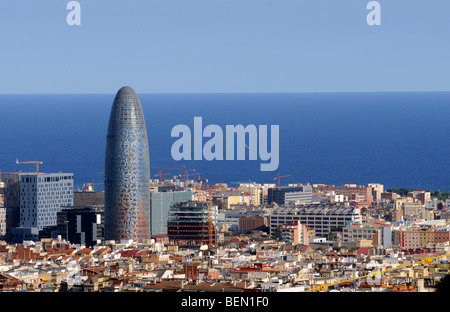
[289, 239]
[169, 232]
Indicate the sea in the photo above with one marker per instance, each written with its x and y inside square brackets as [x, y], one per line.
[398, 139]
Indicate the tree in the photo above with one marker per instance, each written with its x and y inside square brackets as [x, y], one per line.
[400, 191]
[277, 233]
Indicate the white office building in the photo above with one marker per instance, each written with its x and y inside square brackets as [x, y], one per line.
[323, 218]
[42, 196]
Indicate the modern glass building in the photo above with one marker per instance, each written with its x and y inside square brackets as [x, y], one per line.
[160, 206]
[127, 170]
[188, 223]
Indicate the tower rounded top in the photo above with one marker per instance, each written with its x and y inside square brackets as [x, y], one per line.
[126, 90]
[126, 112]
[125, 95]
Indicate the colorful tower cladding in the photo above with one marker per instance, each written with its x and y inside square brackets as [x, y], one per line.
[127, 170]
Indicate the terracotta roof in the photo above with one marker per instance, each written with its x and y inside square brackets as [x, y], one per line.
[3, 249]
[84, 251]
[67, 251]
[202, 286]
[102, 251]
[95, 270]
[305, 249]
[128, 253]
[9, 278]
[364, 250]
[142, 253]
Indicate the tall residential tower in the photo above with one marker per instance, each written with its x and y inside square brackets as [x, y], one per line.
[127, 170]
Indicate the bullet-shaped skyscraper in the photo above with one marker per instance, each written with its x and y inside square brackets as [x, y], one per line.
[127, 170]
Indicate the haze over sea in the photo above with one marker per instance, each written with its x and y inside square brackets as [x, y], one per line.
[397, 139]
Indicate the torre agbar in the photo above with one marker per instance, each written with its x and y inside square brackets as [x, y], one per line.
[127, 170]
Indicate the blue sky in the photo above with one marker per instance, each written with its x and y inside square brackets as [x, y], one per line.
[178, 46]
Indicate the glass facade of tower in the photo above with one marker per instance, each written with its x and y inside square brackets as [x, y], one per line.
[127, 170]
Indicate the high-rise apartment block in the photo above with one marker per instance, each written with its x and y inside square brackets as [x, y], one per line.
[32, 201]
[42, 196]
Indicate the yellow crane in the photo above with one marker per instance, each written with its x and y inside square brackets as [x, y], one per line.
[373, 274]
[30, 162]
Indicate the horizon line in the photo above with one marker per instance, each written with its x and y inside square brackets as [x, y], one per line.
[227, 92]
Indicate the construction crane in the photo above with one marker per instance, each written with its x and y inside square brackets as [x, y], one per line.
[199, 181]
[249, 189]
[185, 170]
[160, 174]
[30, 162]
[279, 177]
[375, 273]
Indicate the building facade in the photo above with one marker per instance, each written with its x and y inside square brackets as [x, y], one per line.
[321, 218]
[127, 170]
[359, 195]
[88, 198]
[414, 210]
[82, 225]
[251, 222]
[188, 223]
[2, 222]
[411, 238]
[359, 231]
[11, 201]
[295, 232]
[160, 203]
[42, 196]
[290, 195]
[2, 208]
